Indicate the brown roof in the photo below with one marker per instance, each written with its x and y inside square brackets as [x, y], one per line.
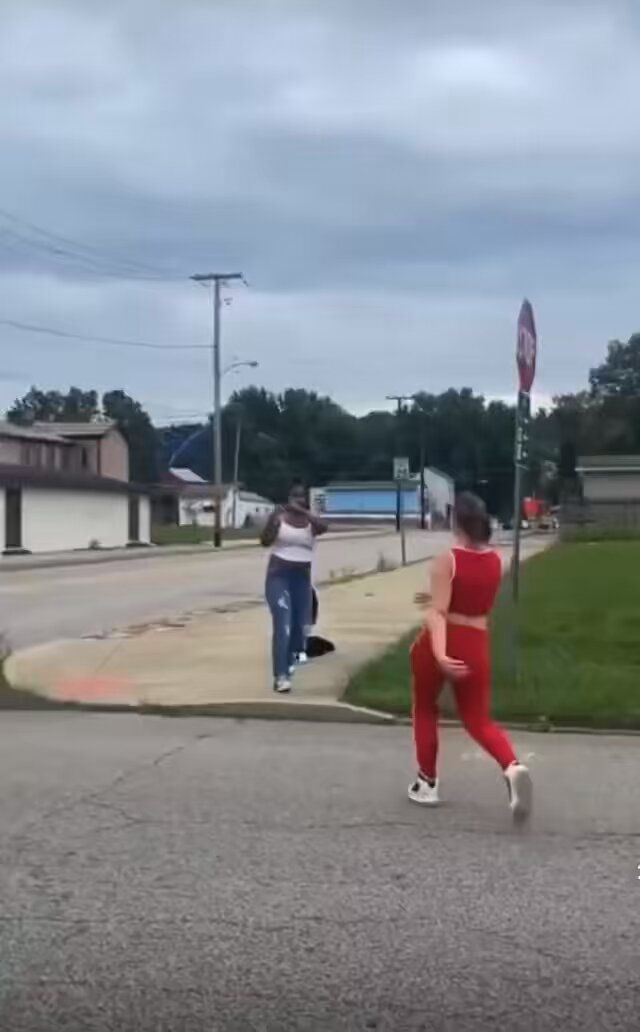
[30, 433]
[608, 463]
[15, 475]
[98, 429]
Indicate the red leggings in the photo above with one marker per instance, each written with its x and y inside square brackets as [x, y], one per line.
[473, 696]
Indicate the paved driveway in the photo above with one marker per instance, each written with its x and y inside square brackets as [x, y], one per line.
[183, 875]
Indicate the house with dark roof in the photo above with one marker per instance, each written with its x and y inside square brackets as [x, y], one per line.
[100, 445]
[194, 498]
[65, 486]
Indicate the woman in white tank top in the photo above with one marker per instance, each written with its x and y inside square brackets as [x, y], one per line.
[291, 534]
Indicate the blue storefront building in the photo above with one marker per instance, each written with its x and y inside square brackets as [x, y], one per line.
[373, 500]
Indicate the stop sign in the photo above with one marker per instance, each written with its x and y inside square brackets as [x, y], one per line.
[527, 347]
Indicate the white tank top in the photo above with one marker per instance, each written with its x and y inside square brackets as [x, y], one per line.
[294, 544]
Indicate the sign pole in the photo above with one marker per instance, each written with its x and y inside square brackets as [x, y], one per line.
[526, 353]
[521, 459]
[403, 529]
[517, 503]
[401, 476]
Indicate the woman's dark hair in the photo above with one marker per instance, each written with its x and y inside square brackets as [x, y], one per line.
[296, 485]
[471, 517]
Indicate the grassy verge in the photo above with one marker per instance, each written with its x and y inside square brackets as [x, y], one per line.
[587, 535]
[579, 644]
[192, 535]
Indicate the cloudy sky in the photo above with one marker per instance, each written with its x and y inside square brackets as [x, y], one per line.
[391, 178]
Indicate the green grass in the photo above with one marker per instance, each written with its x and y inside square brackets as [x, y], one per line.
[579, 634]
[192, 535]
[590, 534]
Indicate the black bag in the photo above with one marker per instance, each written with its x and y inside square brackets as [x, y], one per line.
[317, 646]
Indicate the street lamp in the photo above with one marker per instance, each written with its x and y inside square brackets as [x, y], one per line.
[240, 365]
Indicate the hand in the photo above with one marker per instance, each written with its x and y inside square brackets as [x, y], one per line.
[422, 599]
[299, 508]
[454, 669]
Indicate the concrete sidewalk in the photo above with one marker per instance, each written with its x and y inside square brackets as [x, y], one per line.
[220, 662]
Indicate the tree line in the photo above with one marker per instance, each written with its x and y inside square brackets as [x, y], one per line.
[271, 438]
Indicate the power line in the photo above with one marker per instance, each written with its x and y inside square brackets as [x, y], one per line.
[16, 324]
[61, 246]
[21, 243]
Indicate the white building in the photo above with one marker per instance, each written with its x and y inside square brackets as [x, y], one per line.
[49, 511]
[240, 508]
[440, 492]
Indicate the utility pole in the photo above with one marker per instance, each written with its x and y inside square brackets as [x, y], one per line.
[217, 279]
[422, 483]
[236, 465]
[399, 399]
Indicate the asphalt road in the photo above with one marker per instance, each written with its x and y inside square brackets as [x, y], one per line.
[195, 876]
[48, 603]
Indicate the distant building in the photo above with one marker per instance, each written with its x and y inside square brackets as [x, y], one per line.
[366, 500]
[610, 495]
[440, 497]
[377, 500]
[65, 486]
[609, 478]
[188, 500]
[100, 446]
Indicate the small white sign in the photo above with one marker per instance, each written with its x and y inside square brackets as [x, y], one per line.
[401, 470]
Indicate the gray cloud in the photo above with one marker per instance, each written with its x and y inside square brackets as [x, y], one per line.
[391, 183]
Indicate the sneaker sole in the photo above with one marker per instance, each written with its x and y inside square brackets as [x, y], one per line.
[522, 788]
[423, 802]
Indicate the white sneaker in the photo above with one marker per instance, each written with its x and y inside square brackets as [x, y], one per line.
[282, 685]
[520, 791]
[423, 793]
[302, 657]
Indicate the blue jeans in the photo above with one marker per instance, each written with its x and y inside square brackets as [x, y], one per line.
[288, 592]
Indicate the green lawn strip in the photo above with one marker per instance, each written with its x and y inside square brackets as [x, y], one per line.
[384, 683]
[589, 534]
[579, 655]
[194, 535]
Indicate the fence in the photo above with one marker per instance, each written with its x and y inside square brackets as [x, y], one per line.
[594, 519]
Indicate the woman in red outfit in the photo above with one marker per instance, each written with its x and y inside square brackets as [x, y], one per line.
[454, 646]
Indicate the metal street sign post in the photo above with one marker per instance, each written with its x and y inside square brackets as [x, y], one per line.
[526, 353]
[401, 475]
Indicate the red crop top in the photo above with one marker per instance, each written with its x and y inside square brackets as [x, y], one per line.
[476, 580]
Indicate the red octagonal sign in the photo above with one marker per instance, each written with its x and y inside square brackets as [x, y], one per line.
[527, 347]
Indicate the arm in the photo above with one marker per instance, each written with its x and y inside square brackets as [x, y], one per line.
[271, 528]
[436, 616]
[318, 525]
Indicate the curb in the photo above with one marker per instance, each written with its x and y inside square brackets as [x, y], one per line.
[154, 552]
[538, 728]
[290, 710]
[329, 712]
